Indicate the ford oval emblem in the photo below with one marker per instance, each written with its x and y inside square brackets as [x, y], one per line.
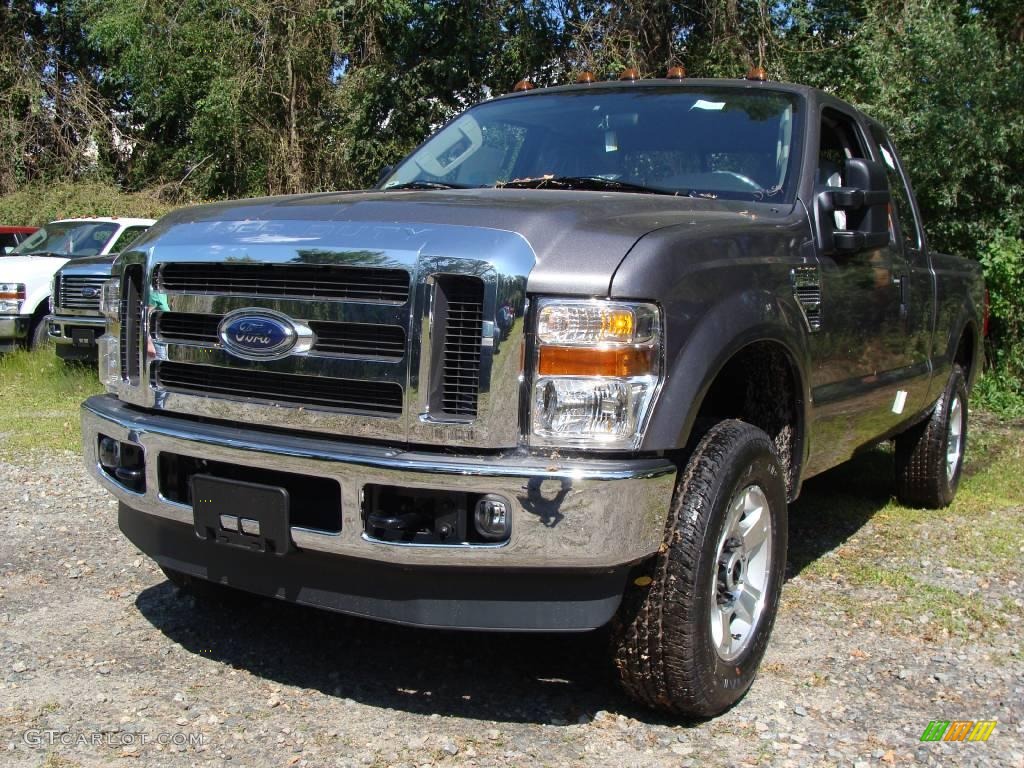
[257, 334]
[90, 292]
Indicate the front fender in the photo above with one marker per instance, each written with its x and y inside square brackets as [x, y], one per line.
[708, 343]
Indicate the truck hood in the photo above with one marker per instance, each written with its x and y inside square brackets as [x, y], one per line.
[578, 238]
[89, 265]
[28, 269]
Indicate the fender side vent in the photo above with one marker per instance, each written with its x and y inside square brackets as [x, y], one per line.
[807, 290]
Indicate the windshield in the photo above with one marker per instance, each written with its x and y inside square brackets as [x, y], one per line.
[69, 239]
[727, 142]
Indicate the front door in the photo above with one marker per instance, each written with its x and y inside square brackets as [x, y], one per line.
[857, 363]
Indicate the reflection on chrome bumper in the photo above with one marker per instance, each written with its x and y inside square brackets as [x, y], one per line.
[566, 514]
[59, 326]
[14, 327]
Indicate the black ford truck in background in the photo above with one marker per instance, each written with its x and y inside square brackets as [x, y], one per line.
[565, 367]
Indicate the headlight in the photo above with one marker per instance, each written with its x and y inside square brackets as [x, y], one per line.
[11, 297]
[109, 361]
[598, 366]
[110, 298]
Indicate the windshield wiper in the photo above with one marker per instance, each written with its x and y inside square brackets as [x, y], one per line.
[581, 182]
[420, 184]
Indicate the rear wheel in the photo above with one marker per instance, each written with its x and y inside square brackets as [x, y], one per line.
[930, 455]
[692, 631]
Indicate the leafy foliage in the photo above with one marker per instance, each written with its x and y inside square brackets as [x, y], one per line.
[202, 99]
[37, 204]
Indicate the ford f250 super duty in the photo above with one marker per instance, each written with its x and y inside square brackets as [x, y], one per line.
[562, 369]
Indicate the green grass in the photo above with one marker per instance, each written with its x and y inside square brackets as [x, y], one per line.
[926, 573]
[39, 399]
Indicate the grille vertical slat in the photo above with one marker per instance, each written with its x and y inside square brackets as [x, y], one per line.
[460, 311]
[130, 315]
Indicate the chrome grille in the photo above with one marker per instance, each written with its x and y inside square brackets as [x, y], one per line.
[386, 365]
[71, 290]
[305, 281]
[363, 340]
[369, 397]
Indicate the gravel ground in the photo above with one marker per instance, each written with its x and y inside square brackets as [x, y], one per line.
[103, 662]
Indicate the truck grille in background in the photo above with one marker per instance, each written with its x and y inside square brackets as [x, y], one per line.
[68, 292]
[369, 397]
[348, 339]
[304, 281]
[130, 315]
[459, 312]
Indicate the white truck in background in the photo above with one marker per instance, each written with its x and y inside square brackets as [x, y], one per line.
[27, 272]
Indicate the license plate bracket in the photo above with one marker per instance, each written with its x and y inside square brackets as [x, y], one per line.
[83, 337]
[240, 514]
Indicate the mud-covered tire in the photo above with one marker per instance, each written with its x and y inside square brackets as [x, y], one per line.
[663, 642]
[927, 473]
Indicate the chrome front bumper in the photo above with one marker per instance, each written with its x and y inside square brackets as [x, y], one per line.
[590, 514]
[58, 326]
[13, 327]
[61, 333]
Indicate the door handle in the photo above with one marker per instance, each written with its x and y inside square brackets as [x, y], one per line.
[899, 282]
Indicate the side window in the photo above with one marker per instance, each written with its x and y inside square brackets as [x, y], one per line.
[839, 141]
[127, 238]
[901, 209]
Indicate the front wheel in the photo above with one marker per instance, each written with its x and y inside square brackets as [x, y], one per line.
[690, 635]
[40, 337]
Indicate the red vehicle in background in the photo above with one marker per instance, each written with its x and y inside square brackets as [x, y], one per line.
[11, 236]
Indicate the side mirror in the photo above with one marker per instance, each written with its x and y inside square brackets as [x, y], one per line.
[383, 173]
[864, 200]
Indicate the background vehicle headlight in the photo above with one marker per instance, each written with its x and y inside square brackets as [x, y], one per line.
[597, 368]
[11, 297]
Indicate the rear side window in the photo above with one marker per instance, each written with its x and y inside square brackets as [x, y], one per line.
[901, 210]
[129, 236]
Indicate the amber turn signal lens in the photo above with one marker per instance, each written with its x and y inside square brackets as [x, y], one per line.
[590, 361]
[630, 74]
[523, 85]
[757, 73]
[676, 73]
[586, 77]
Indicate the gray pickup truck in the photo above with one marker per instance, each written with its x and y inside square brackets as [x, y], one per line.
[76, 323]
[564, 368]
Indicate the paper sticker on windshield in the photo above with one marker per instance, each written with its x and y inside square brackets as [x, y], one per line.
[709, 105]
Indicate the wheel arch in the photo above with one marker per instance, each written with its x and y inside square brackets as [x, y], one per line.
[764, 357]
